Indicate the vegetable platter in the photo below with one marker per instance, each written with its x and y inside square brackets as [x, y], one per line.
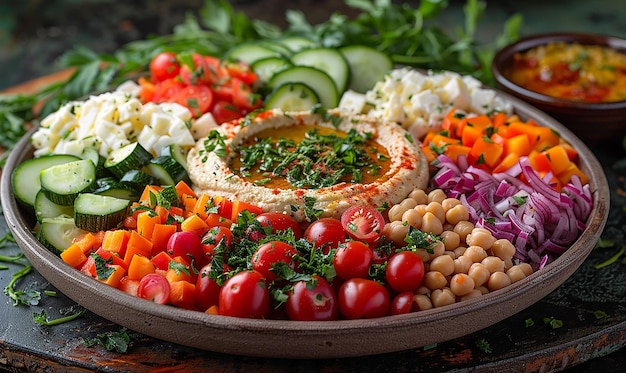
[295, 339]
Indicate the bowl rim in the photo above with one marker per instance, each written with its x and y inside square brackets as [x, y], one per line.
[504, 55]
[311, 339]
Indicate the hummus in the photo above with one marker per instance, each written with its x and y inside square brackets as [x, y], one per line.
[217, 164]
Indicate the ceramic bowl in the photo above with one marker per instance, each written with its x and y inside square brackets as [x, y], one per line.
[591, 122]
[299, 339]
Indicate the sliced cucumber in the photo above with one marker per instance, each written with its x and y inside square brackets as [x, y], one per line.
[25, 178]
[64, 182]
[265, 68]
[251, 52]
[292, 97]
[45, 208]
[110, 186]
[137, 180]
[169, 194]
[96, 212]
[177, 152]
[57, 234]
[93, 155]
[367, 65]
[319, 81]
[297, 43]
[166, 170]
[328, 60]
[129, 157]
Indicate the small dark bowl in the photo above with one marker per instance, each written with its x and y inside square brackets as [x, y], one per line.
[591, 122]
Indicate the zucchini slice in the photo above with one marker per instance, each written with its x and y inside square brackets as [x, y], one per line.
[110, 186]
[129, 157]
[44, 208]
[367, 65]
[166, 170]
[177, 152]
[64, 182]
[57, 234]
[25, 178]
[136, 180]
[292, 97]
[328, 60]
[96, 212]
[265, 68]
[319, 81]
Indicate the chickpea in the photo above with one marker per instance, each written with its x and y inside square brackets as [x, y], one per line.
[498, 280]
[396, 231]
[526, 268]
[424, 255]
[438, 249]
[409, 203]
[422, 290]
[421, 209]
[516, 274]
[480, 237]
[434, 280]
[451, 239]
[395, 212]
[457, 214]
[432, 224]
[483, 289]
[437, 195]
[437, 210]
[508, 263]
[462, 264]
[449, 253]
[460, 251]
[463, 228]
[443, 264]
[475, 293]
[493, 264]
[461, 284]
[503, 249]
[420, 196]
[476, 253]
[449, 203]
[422, 302]
[479, 273]
[442, 297]
[413, 218]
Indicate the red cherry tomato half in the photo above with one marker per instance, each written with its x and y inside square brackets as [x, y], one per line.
[363, 223]
[245, 295]
[243, 97]
[401, 303]
[405, 271]
[361, 298]
[326, 233]
[214, 236]
[353, 259]
[164, 66]
[207, 289]
[224, 111]
[279, 222]
[312, 301]
[270, 253]
[197, 98]
[154, 287]
[187, 245]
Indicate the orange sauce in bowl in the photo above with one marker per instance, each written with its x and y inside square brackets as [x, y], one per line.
[572, 71]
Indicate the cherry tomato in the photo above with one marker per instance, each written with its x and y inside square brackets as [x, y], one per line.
[154, 287]
[312, 301]
[361, 298]
[197, 98]
[405, 271]
[245, 295]
[241, 71]
[224, 111]
[326, 233]
[213, 237]
[363, 223]
[279, 222]
[401, 303]
[353, 259]
[187, 245]
[167, 90]
[164, 66]
[207, 289]
[270, 253]
[243, 97]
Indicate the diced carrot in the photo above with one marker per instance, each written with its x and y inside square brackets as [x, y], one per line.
[137, 244]
[428, 137]
[147, 192]
[441, 140]
[139, 266]
[87, 241]
[162, 212]
[115, 277]
[214, 220]
[74, 256]
[195, 224]
[485, 151]
[480, 121]
[453, 123]
[183, 294]
[116, 240]
[506, 163]
[557, 156]
[188, 202]
[161, 260]
[453, 151]
[518, 145]
[146, 222]
[241, 206]
[499, 119]
[429, 153]
[471, 134]
[213, 310]
[201, 206]
[182, 189]
[160, 235]
[129, 286]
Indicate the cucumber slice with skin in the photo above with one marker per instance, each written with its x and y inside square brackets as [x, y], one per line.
[57, 234]
[367, 65]
[64, 182]
[177, 152]
[129, 157]
[110, 186]
[137, 180]
[292, 97]
[251, 52]
[25, 178]
[96, 212]
[166, 170]
[319, 81]
[265, 68]
[328, 60]
[44, 208]
[297, 43]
